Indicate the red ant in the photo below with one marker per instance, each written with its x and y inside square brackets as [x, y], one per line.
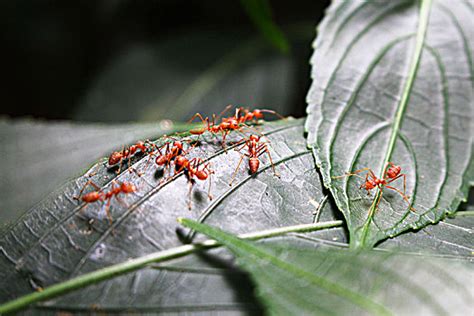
[225, 127]
[115, 190]
[117, 157]
[228, 124]
[371, 181]
[194, 168]
[244, 115]
[255, 149]
[171, 151]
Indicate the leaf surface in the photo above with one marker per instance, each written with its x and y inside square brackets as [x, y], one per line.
[37, 157]
[394, 82]
[295, 279]
[56, 239]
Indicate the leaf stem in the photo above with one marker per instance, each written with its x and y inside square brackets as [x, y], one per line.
[463, 213]
[141, 262]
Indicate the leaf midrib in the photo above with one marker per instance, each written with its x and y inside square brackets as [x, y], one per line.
[425, 7]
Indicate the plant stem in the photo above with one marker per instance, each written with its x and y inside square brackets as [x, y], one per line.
[141, 262]
[463, 213]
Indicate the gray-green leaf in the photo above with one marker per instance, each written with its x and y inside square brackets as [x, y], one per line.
[393, 81]
[295, 278]
[37, 156]
[55, 240]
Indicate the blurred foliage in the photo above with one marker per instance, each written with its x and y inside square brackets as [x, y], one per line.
[132, 61]
[60, 57]
[260, 13]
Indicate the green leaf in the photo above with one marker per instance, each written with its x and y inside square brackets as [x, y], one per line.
[37, 156]
[394, 82]
[260, 13]
[297, 279]
[141, 262]
[451, 237]
[55, 240]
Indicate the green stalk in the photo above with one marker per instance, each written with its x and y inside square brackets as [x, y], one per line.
[141, 262]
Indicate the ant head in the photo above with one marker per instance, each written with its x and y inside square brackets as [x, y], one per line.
[140, 144]
[258, 114]
[126, 187]
[178, 144]
[115, 158]
[254, 138]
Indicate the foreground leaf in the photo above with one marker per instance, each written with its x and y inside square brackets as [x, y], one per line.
[394, 82]
[141, 262]
[56, 240]
[296, 279]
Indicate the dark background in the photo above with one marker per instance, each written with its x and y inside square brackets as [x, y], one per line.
[105, 60]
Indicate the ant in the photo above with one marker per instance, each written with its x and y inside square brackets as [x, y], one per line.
[228, 124]
[115, 190]
[244, 115]
[117, 157]
[225, 127]
[194, 168]
[255, 149]
[171, 150]
[392, 173]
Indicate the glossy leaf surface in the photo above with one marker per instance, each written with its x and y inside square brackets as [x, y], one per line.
[393, 81]
[37, 157]
[60, 238]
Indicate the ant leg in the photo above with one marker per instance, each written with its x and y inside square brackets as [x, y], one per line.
[365, 181]
[269, 157]
[404, 181]
[274, 113]
[209, 195]
[198, 115]
[227, 108]
[253, 130]
[224, 136]
[372, 174]
[403, 195]
[236, 169]
[189, 194]
[380, 199]
[121, 161]
[107, 211]
[89, 182]
[131, 169]
[121, 202]
[355, 173]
